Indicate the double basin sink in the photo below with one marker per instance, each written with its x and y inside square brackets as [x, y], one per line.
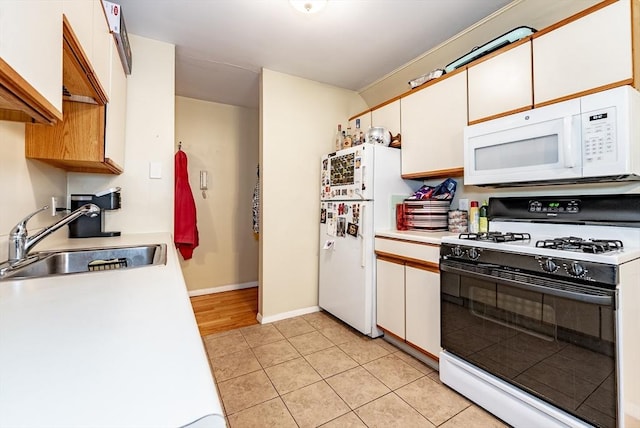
[47, 263]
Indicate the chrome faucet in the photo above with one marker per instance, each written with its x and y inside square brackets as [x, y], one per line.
[20, 243]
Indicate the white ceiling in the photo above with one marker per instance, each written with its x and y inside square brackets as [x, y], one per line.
[221, 45]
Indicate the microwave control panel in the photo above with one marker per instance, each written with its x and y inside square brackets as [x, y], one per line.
[599, 136]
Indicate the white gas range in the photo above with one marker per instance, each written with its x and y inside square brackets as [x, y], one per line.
[533, 313]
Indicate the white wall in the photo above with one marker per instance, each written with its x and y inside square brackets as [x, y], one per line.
[25, 185]
[298, 122]
[147, 204]
[223, 140]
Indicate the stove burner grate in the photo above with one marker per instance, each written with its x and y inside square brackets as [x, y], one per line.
[571, 243]
[495, 236]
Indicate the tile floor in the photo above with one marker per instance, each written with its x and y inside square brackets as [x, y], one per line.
[314, 371]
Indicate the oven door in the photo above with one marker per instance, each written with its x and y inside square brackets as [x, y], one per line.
[552, 339]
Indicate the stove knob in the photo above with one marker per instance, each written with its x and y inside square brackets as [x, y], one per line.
[473, 253]
[457, 251]
[576, 269]
[548, 265]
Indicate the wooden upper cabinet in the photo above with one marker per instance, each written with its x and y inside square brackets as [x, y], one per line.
[501, 84]
[77, 143]
[588, 54]
[30, 61]
[433, 118]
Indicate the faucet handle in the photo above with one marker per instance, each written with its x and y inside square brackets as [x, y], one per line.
[21, 227]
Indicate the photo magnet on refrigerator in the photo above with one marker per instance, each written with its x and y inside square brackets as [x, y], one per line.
[352, 229]
[331, 226]
[341, 230]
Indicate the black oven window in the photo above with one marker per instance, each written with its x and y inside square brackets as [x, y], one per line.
[559, 349]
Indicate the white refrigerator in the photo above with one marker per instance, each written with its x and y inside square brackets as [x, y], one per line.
[356, 199]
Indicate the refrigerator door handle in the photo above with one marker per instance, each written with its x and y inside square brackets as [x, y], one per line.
[363, 250]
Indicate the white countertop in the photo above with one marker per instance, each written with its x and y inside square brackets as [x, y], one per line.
[118, 348]
[415, 235]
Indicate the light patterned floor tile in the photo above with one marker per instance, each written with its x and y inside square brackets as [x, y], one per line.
[350, 420]
[314, 404]
[390, 411]
[339, 334]
[476, 417]
[233, 365]
[225, 343]
[261, 334]
[357, 387]
[272, 413]
[363, 351]
[292, 375]
[246, 391]
[392, 371]
[320, 320]
[415, 363]
[434, 401]
[330, 361]
[275, 353]
[291, 327]
[385, 345]
[309, 343]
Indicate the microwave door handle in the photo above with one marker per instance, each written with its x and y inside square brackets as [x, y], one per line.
[567, 145]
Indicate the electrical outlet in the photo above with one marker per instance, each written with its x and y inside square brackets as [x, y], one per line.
[57, 204]
[463, 204]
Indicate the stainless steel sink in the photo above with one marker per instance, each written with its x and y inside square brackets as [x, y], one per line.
[47, 263]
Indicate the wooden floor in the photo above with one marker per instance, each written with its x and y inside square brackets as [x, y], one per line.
[220, 312]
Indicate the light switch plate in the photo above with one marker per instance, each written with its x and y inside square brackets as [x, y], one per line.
[155, 170]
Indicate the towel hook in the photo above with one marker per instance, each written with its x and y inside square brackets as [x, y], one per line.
[180, 145]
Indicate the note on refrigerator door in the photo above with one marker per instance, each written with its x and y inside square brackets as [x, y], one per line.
[331, 224]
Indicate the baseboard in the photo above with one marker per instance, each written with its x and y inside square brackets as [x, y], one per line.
[222, 288]
[285, 315]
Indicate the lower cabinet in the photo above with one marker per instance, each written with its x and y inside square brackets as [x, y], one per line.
[408, 300]
[390, 296]
[422, 311]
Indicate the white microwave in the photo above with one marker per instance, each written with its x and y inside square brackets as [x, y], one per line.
[588, 139]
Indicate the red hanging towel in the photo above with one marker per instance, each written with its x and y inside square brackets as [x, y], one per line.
[185, 230]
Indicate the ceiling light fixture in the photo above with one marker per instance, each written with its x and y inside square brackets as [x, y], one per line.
[308, 6]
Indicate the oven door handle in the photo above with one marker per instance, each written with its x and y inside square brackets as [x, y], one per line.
[597, 299]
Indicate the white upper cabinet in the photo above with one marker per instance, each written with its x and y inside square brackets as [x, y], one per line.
[589, 53]
[432, 121]
[501, 84]
[101, 46]
[89, 24]
[387, 116]
[116, 108]
[31, 56]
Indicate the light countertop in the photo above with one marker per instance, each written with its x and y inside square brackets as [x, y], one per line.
[414, 235]
[117, 348]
